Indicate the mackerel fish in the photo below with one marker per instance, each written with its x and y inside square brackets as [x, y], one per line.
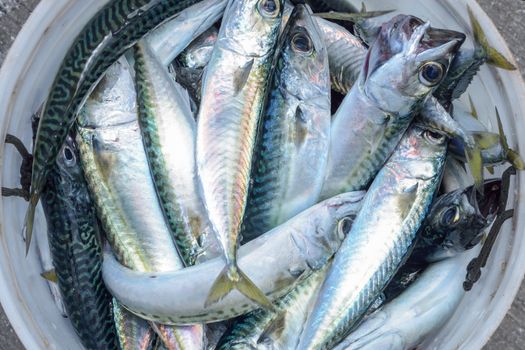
[413, 58]
[292, 150]
[234, 89]
[168, 131]
[115, 28]
[118, 175]
[133, 332]
[381, 237]
[74, 240]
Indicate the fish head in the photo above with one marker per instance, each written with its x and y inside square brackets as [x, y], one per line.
[457, 220]
[68, 163]
[420, 143]
[304, 57]
[248, 26]
[407, 62]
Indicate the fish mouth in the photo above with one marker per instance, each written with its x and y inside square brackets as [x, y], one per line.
[414, 36]
[488, 203]
[436, 37]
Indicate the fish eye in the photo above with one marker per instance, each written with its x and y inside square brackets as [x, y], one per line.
[301, 43]
[434, 137]
[269, 8]
[69, 156]
[431, 73]
[451, 216]
[344, 226]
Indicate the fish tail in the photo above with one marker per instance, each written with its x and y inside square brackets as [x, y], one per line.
[494, 57]
[231, 277]
[484, 140]
[475, 163]
[515, 159]
[480, 141]
[30, 219]
[512, 156]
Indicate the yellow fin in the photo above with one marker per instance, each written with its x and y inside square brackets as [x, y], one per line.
[231, 277]
[50, 275]
[494, 57]
[475, 163]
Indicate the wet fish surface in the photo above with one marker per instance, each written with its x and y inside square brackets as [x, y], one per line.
[75, 242]
[292, 150]
[233, 96]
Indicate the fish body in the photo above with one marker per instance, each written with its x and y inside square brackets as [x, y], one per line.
[374, 116]
[234, 89]
[173, 37]
[276, 260]
[74, 240]
[456, 223]
[381, 237]
[291, 154]
[118, 174]
[168, 131]
[346, 54]
[116, 27]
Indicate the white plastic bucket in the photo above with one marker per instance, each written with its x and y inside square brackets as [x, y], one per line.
[29, 71]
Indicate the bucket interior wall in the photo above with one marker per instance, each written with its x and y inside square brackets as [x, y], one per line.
[29, 71]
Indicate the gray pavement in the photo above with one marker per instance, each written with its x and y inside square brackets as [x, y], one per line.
[509, 16]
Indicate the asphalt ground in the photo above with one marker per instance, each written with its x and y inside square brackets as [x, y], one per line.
[509, 17]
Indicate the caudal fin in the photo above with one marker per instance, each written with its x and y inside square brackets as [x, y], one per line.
[50, 276]
[231, 277]
[494, 57]
[512, 156]
[478, 141]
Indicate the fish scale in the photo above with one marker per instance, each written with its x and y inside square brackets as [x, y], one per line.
[102, 41]
[77, 254]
